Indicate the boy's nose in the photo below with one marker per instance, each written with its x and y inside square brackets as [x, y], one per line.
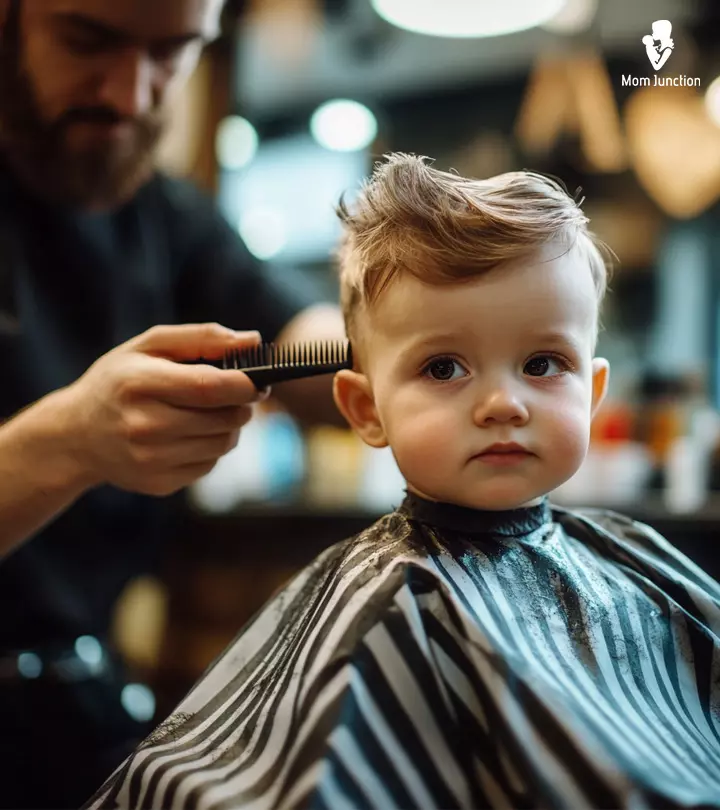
[501, 404]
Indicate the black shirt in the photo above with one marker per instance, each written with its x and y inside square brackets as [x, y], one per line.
[72, 286]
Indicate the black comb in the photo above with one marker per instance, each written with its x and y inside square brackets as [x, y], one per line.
[268, 363]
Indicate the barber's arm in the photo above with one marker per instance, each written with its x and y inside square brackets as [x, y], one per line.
[39, 477]
[137, 419]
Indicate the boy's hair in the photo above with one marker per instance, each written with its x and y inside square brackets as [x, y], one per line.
[444, 229]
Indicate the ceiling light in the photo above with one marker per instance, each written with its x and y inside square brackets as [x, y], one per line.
[343, 125]
[236, 142]
[575, 16]
[712, 101]
[467, 18]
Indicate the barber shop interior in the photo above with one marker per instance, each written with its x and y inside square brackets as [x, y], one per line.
[256, 551]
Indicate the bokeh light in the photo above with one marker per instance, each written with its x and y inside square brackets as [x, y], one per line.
[343, 125]
[264, 231]
[236, 142]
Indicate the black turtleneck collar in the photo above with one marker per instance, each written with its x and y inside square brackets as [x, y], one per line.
[449, 516]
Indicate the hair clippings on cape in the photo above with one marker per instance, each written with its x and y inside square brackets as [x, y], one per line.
[267, 363]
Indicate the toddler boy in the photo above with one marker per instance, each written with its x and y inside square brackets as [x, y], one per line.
[477, 647]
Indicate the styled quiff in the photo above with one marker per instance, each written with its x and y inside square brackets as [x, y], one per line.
[445, 229]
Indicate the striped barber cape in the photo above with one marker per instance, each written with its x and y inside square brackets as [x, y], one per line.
[449, 657]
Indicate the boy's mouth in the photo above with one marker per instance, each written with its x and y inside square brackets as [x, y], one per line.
[503, 453]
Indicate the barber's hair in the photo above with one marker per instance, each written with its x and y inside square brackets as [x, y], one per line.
[9, 32]
[442, 228]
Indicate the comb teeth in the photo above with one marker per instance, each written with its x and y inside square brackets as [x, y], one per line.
[293, 355]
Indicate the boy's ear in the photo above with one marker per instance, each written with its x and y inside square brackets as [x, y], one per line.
[354, 399]
[600, 379]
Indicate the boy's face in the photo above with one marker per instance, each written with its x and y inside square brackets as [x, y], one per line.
[451, 371]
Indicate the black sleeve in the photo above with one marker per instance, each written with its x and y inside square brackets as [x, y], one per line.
[219, 279]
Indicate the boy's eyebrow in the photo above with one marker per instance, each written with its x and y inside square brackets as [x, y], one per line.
[437, 337]
[428, 340]
[558, 337]
[553, 337]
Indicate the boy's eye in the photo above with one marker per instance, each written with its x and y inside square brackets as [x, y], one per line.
[444, 369]
[541, 365]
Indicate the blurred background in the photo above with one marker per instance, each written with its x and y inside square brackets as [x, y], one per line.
[291, 107]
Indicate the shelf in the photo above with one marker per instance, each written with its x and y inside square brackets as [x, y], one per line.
[651, 508]
[292, 534]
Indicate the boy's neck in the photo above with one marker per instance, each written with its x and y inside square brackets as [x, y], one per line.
[513, 522]
[534, 502]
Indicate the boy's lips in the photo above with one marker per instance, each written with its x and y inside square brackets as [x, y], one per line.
[503, 453]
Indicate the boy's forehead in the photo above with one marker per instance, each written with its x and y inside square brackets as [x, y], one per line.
[552, 295]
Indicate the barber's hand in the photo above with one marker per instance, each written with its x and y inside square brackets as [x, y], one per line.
[143, 421]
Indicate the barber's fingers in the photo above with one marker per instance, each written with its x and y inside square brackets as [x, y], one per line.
[170, 481]
[216, 422]
[154, 423]
[160, 459]
[192, 386]
[191, 341]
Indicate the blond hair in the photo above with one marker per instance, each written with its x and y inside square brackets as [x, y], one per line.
[445, 229]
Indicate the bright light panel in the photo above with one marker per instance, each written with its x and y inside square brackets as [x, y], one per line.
[236, 142]
[343, 125]
[467, 18]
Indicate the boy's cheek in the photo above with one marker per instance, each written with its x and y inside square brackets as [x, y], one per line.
[569, 433]
[425, 441]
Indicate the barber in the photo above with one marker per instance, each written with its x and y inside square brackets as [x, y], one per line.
[109, 275]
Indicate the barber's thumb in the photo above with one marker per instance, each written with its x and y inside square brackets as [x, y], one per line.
[249, 338]
[191, 341]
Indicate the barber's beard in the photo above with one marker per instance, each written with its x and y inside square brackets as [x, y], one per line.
[98, 178]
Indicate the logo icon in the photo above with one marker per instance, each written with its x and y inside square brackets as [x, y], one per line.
[659, 44]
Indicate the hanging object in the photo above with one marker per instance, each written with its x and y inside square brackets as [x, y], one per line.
[461, 18]
[601, 134]
[674, 149]
[712, 101]
[546, 110]
[573, 94]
